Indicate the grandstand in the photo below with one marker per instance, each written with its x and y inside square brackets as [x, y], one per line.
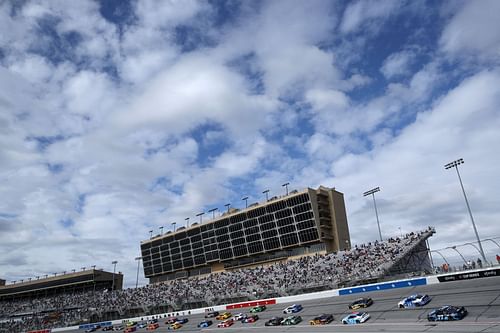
[300, 223]
[371, 262]
[86, 280]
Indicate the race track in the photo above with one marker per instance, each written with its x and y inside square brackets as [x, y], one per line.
[481, 297]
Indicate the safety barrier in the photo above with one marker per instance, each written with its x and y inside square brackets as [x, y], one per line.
[101, 324]
[250, 304]
[383, 286]
[40, 331]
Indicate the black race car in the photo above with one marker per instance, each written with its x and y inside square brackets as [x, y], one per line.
[321, 320]
[274, 321]
[361, 303]
[212, 314]
[447, 312]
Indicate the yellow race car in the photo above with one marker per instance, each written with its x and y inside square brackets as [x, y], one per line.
[224, 316]
[175, 326]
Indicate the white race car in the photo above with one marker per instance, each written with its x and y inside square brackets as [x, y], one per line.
[293, 309]
[356, 318]
[240, 316]
[413, 301]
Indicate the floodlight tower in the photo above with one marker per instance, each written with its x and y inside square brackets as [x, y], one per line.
[372, 192]
[455, 165]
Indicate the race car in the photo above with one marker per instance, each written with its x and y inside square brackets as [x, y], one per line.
[447, 312]
[356, 318]
[414, 300]
[107, 328]
[293, 308]
[361, 303]
[212, 314]
[152, 326]
[292, 320]
[321, 320]
[182, 320]
[226, 323]
[274, 321]
[205, 324]
[142, 325]
[174, 326]
[250, 319]
[131, 323]
[130, 329]
[91, 329]
[118, 328]
[171, 320]
[258, 308]
[152, 321]
[240, 316]
[223, 316]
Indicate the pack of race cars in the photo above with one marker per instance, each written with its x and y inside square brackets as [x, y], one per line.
[227, 319]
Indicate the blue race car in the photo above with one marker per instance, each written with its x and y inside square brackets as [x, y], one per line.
[182, 320]
[205, 324]
[447, 312]
[293, 308]
[414, 301]
[355, 318]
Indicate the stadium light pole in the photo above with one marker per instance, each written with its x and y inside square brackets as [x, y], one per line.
[187, 222]
[460, 254]
[93, 267]
[372, 192]
[173, 224]
[286, 187]
[150, 234]
[400, 232]
[137, 278]
[455, 165]
[201, 216]
[227, 205]
[114, 262]
[213, 210]
[246, 201]
[161, 231]
[266, 192]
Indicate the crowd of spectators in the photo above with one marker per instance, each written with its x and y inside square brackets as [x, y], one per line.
[293, 276]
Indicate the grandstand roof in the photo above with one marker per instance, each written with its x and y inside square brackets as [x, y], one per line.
[68, 280]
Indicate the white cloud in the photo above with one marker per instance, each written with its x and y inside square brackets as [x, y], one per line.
[364, 12]
[473, 31]
[397, 64]
[170, 133]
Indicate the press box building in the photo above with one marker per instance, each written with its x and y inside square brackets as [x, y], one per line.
[303, 222]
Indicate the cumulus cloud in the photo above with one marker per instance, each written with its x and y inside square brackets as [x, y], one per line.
[365, 12]
[473, 31]
[397, 64]
[111, 129]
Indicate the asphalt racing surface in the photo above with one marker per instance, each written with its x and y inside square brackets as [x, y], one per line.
[481, 298]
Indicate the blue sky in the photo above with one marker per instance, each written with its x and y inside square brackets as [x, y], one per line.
[118, 117]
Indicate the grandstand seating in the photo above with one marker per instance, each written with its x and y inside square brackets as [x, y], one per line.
[318, 272]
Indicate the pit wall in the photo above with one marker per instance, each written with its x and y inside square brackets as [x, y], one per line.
[434, 279]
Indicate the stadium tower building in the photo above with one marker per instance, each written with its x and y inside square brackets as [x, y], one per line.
[300, 223]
